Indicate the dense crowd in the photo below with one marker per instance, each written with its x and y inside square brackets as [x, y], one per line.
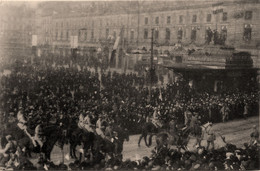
[48, 90]
[53, 89]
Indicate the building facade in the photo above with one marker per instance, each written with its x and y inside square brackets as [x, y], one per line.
[17, 25]
[236, 23]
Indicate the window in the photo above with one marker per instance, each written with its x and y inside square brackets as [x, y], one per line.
[156, 34]
[194, 18]
[56, 36]
[180, 19]
[146, 20]
[209, 18]
[114, 34]
[168, 34]
[157, 20]
[67, 35]
[85, 35]
[61, 35]
[168, 19]
[180, 33]
[132, 35]
[145, 33]
[248, 15]
[247, 32]
[193, 34]
[92, 34]
[224, 17]
[107, 33]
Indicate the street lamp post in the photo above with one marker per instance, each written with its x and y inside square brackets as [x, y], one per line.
[151, 67]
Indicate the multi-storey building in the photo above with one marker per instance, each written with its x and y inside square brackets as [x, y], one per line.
[16, 29]
[235, 22]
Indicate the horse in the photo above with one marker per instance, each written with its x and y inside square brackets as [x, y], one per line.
[149, 128]
[77, 137]
[114, 148]
[179, 139]
[52, 133]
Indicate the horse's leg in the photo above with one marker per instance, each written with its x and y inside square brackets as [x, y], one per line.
[71, 155]
[140, 139]
[150, 140]
[62, 155]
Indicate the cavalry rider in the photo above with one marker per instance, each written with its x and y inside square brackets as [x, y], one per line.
[22, 124]
[87, 123]
[210, 135]
[100, 127]
[38, 136]
[9, 151]
[194, 123]
[81, 120]
[155, 119]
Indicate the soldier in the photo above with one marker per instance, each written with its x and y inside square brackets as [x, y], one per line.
[87, 123]
[155, 119]
[245, 113]
[22, 124]
[38, 136]
[81, 120]
[225, 113]
[210, 136]
[100, 126]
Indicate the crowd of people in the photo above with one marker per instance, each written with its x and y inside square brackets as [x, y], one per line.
[48, 91]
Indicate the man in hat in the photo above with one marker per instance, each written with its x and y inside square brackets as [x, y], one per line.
[22, 124]
[210, 135]
[9, 150]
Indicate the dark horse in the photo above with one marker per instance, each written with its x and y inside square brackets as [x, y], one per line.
[179, 139]
[79, 137]
[51, 133]
[114, 148]
[150, 128]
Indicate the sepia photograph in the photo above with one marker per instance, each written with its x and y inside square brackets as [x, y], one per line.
[129, 84]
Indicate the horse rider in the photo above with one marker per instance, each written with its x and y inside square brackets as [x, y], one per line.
[155, 119]
[9, 151]
[87, 123]
[210, 135]
[187, 117]
[22, 124]
[194, 123]
[254, 136]
[81, 120]
[39, 135]
[100, 126]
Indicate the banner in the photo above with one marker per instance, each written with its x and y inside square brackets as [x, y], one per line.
[34, 40]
